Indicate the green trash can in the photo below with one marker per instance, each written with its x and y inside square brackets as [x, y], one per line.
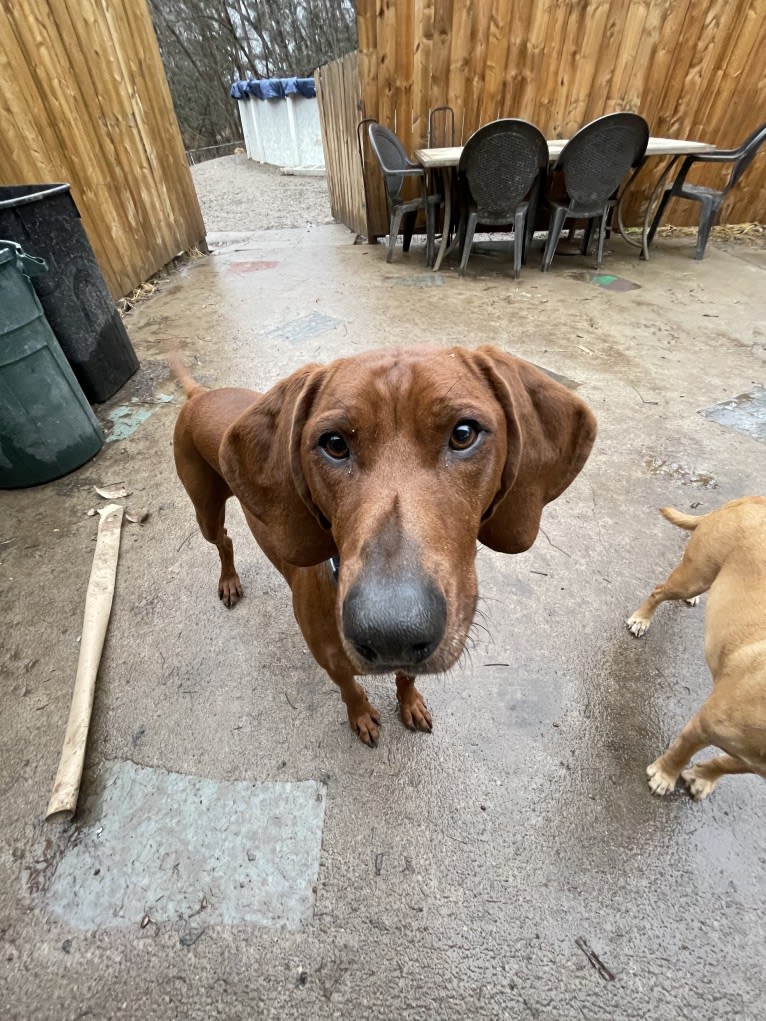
[47, 427]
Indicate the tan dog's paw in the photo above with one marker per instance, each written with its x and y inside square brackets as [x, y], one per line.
[638, 626]
[693, 601]
[230, 590]
[413, 710]
[660, 782]
[698, 787]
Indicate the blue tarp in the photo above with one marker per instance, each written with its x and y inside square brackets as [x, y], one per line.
[273, 88]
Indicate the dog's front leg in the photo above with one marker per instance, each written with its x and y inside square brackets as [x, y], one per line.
[314, 594]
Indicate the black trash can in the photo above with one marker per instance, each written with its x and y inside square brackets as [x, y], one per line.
[47, 428]
[44, 220]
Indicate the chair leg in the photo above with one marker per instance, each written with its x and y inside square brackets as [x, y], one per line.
[587, 236]
[409, 227]
[658, 215]
[602, 236]
[707, 218]
[519, 231]
[393, 234]
[554, 233]
[467, 241]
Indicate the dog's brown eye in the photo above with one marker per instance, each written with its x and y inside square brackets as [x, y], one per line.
[464, 435]
[334, 446]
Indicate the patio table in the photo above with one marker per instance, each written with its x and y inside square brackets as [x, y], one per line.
[449, 157]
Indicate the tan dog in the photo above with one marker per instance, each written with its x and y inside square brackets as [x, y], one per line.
[367, 483]
[727, 556]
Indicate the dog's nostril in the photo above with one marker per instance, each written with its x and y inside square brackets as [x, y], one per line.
[422, 650]
[366, 652]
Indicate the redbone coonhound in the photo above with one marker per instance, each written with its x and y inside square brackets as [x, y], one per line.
[726, 557]
[367, 483]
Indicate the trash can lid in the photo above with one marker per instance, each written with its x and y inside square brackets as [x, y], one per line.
[22, 197]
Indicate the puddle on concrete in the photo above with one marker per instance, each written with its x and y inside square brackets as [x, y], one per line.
[298, 330]
[608, 281]
[675, 470]
[426, 280]
[126, 418]
[251, 266]
[746, 413]
[173, 848]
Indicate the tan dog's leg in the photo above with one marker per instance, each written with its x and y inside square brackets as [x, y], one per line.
[412, 706]
[688, 581]
[703, 776]
[665, 770]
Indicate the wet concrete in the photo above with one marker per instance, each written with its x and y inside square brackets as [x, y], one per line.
[513, 863]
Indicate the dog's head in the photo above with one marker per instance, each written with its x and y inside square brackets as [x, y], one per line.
[399, 461]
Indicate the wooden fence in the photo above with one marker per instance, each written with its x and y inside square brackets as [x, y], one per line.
[84, 99]
[692, 68]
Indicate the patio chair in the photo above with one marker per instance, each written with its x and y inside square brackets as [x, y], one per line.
[441, 127]
[397, 167]
[500, 173]
[591, 167]
[709, 199]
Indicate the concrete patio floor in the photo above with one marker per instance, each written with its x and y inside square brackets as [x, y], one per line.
[237, 852]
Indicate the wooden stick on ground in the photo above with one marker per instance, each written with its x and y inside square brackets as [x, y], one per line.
[98, 605]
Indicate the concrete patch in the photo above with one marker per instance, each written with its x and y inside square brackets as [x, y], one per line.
[164, 847]
[298, 330]
[746, 413]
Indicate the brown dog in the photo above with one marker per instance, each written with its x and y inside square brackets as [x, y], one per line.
[367, 483]
[727, 556]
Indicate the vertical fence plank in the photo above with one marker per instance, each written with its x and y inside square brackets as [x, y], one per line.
[86, 101]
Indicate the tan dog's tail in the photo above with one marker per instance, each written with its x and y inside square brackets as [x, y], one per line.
[677, 517]
[189, 384]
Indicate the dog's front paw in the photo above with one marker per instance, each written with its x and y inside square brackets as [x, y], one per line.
[413, 710]
[365, 726]
[230, 590]
[660, 782]
[638, 626]
[698, 786]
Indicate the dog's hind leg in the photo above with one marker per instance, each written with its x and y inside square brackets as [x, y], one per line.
[689, 580]
[702, 777]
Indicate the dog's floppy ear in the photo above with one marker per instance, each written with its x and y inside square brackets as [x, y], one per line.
[550, 433]
[260, 460]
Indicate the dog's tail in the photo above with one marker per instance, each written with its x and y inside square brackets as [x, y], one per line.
[177, 366]
[677, 517]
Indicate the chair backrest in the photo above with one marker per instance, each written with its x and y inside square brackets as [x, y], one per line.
[597, 158]
[500, 163]
[441, 127]
[392, 157]
[747, 152]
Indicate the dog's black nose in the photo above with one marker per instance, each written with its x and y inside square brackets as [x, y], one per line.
[394, 623]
